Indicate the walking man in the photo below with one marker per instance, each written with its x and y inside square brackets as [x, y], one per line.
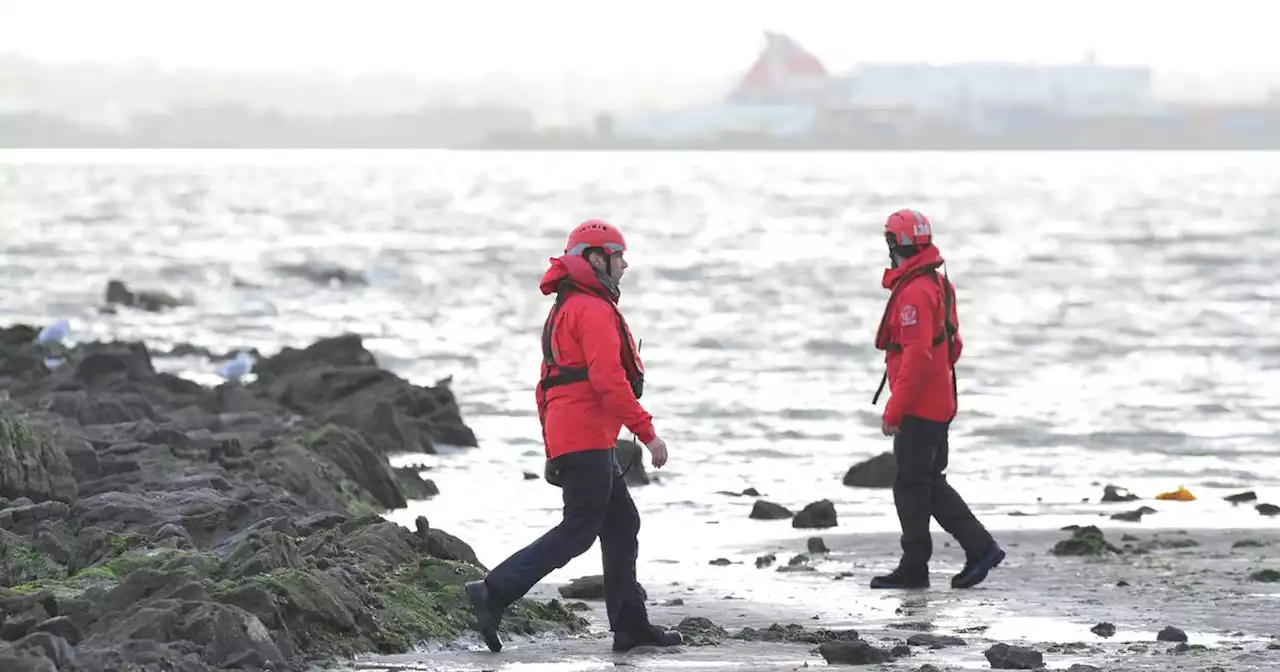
[919, 333]
[592, 378]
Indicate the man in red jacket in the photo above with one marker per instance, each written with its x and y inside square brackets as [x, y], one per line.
[921, 339]
[592, 378]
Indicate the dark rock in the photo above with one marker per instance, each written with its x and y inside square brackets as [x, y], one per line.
[1134, 516]
[763, 510]
[854, 652]
[1113, 493]
[60, 626]
[1242, 497]
[1171, 634]
[877, 472]
[816, 545]
[749, 492]
[631, 459]
[934, 641]
[322, 273]
[1104, 629]
[1266, 576]
[1087, 540]
[794, 634]
[698, 631]
[1081, 667]
[117, 293]
[816, 515]
[589, 588]
[47, 646]
[1160, 544]
[1004, 657]
[584, 588]
[413, 486]
[1268, 509]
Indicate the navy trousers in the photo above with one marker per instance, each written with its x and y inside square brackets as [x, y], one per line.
[921, 491]
[597, 504]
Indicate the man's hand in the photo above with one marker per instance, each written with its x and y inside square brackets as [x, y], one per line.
[658, 448]
[888, 429]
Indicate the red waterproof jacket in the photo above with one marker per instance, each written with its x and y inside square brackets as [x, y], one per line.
[591, 369]
[914, 335]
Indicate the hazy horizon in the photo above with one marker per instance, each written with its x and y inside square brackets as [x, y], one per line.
[661, 51]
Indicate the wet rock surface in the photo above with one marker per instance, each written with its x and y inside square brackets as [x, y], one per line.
[816, 515]
[147, 522]
[1006, 657]
[877, 472]
[765, 510]
[1087, 540]
[631, 457]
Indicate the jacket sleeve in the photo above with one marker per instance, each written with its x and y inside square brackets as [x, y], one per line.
[913, 322]
[602, 347]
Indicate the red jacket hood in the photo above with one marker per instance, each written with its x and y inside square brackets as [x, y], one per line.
[574, 268]
[929, 255]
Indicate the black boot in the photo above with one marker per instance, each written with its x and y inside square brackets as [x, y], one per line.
[976, 569]
[488, 615]
[899, 579]
[652, 636]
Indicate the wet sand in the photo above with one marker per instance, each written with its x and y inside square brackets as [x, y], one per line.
[1194, 580]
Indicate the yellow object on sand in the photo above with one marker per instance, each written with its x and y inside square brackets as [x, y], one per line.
[1179, 495]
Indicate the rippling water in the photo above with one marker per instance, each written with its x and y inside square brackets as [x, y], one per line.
[1119, 312]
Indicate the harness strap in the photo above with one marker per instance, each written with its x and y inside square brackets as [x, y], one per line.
[565, 375]
[947, 334]
[558, 374]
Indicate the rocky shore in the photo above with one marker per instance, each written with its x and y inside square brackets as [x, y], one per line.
[1080, 599]
[150, 523]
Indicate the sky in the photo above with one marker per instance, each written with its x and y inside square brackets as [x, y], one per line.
[461, 38]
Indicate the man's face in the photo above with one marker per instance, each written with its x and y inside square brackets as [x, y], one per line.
[614, 265]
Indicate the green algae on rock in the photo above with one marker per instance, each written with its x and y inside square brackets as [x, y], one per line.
[149, 522]
[1087, 540]
[33, 465]
[1266, 576]
[20, 563]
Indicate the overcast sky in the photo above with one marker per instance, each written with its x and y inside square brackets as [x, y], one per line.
[462, 37]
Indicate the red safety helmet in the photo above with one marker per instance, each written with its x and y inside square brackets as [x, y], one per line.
[908, 227]
[595, 233]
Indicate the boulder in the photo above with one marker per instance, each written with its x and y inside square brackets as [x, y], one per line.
[877, 472]
[816, 515]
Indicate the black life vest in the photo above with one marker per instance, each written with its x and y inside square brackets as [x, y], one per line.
[946, 335]
[557, 375]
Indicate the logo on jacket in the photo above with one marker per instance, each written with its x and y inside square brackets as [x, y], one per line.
[907, 316]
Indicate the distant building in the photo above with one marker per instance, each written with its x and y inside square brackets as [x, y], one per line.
[1077, 88]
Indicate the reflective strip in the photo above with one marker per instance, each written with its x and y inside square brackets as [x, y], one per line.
[578, 249]
[906, 238]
